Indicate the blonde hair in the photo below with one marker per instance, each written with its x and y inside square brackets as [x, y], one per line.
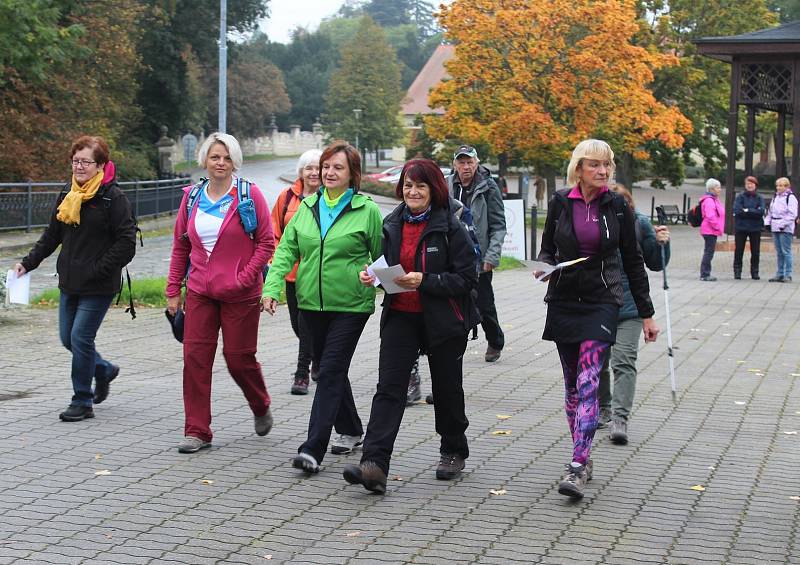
[589, 149]
[783, 180]
[230, 143]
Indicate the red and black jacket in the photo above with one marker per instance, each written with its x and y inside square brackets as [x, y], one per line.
[446, 258]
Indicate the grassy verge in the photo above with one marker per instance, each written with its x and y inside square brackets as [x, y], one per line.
[508, 263]
[147, 293]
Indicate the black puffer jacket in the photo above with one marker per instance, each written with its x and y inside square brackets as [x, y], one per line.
[599, 279]
[94, 251]
[446, 258]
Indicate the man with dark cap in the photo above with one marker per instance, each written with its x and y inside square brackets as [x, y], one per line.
[472, 184]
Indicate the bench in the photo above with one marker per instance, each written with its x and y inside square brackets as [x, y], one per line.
[674, 214]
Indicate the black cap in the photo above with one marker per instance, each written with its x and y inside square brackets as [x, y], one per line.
[176, 323]
[467, 150]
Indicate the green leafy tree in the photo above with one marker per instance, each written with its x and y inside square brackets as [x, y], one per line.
[388, 12]
[368, 78]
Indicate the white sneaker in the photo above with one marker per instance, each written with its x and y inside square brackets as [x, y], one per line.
[344, 444]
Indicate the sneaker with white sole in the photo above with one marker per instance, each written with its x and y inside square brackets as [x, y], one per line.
[305, 462]
[575, 479]
[344, 444]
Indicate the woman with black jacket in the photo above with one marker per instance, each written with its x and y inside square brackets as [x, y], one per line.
[589, 222]
[434, 315]
[92, 222]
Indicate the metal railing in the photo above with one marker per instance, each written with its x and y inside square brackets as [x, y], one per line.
[22, 207]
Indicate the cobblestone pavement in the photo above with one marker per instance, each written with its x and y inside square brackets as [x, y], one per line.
[115, 490]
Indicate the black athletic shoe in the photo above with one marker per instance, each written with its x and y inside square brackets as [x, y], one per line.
[101, 384]
[76, 413]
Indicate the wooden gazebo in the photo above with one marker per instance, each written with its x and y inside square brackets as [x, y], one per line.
[765, 75]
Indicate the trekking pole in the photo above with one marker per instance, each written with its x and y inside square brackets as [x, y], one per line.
[662, 219]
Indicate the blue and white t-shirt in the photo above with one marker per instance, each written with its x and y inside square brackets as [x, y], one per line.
[209, 216]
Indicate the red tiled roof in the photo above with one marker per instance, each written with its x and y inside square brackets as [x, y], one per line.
[416, 99]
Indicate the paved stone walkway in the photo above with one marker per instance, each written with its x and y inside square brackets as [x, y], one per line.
[115, 490]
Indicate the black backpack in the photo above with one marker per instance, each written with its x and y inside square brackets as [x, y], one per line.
[695, 215]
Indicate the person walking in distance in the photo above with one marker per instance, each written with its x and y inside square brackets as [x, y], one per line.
[712, 226]
[748, 213]
[472, 184]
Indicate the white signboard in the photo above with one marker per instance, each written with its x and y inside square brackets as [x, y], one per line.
[514, 243]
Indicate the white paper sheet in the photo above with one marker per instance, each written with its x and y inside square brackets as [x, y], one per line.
[385, 275]
[18, 289]
[548, 269]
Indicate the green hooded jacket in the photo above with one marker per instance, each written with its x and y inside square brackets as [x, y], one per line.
[327, 278]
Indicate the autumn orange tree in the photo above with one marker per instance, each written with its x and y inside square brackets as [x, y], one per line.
[531, 79]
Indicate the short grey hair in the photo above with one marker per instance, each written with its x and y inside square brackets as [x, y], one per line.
[589, 149]
[712, 183]
[230, 143]
[310, 156]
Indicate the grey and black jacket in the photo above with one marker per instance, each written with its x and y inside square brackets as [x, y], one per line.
[488, 212]
[599, 279]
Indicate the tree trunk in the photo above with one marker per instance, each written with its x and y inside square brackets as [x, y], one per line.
[625, 171]
[502, 164]
[549, 173]
[378, 158]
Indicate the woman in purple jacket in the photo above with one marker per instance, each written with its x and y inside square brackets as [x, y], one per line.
[712, 226]
[781, 218]
[223, 289]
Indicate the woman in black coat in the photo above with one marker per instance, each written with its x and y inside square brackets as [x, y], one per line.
[93, 224]
[591, 223]
[434, 315]
[748, 213]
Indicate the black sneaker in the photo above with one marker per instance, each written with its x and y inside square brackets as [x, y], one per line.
[450, 466]
[314, 373]
[368, 474]
[575, 479]
[300, 385]
[76, 413]
[776, 279]
[414, 393]
[618, 432]
[708, 279]
[101, 384]
[306, 463]
[429, 399]
[605, 418]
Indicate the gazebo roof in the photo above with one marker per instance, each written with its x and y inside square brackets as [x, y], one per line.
[780, 40]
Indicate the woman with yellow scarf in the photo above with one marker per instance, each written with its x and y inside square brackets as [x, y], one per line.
[95, 228]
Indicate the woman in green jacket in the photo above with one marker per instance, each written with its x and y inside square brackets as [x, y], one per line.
[335, 232]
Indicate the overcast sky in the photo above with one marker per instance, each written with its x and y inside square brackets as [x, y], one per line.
[286, 15]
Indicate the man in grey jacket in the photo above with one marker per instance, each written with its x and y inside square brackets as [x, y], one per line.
[472, 184]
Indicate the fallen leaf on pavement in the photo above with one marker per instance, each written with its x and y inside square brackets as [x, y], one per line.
[97, 457]
[503, 416]
[501, 433]
[353, 534]
[498, 492]
[102, 472]
[739, 402]
[740, 362]
[207, 481]
[268, 557]
[795, 375]
[699, 488]
[754, 371]
[726, 335]
[790, 432]
[397, 478]
[794, 498]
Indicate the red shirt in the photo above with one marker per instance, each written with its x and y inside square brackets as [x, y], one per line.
[409, 301]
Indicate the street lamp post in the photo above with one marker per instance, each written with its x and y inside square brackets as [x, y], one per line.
[357, 112]
[223, 65]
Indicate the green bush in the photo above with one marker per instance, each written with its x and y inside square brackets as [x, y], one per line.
[381, 188]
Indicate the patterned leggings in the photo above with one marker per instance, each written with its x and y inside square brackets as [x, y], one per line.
[581, 364]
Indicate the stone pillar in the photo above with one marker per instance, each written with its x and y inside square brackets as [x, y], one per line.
[166, 167]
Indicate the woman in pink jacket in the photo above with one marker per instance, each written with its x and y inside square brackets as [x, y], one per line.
[781, 219]
[223, 287]
[712, 226]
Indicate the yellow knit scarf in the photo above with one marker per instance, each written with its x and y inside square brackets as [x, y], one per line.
[69, 211]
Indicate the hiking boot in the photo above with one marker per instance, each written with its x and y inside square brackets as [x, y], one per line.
[450, 466]
[314, 374]
[755, 276]
[300, 385]
[191, 444]
[263, 424]
[101, 384]
[618, 432]
[344, 444]
[368, 474]
[414, 393]
[737, 275]
[75, 413]
[604, 418]
[492, 354]
[776, 279]
[429, 399]
[305, 462]
[575, 479]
